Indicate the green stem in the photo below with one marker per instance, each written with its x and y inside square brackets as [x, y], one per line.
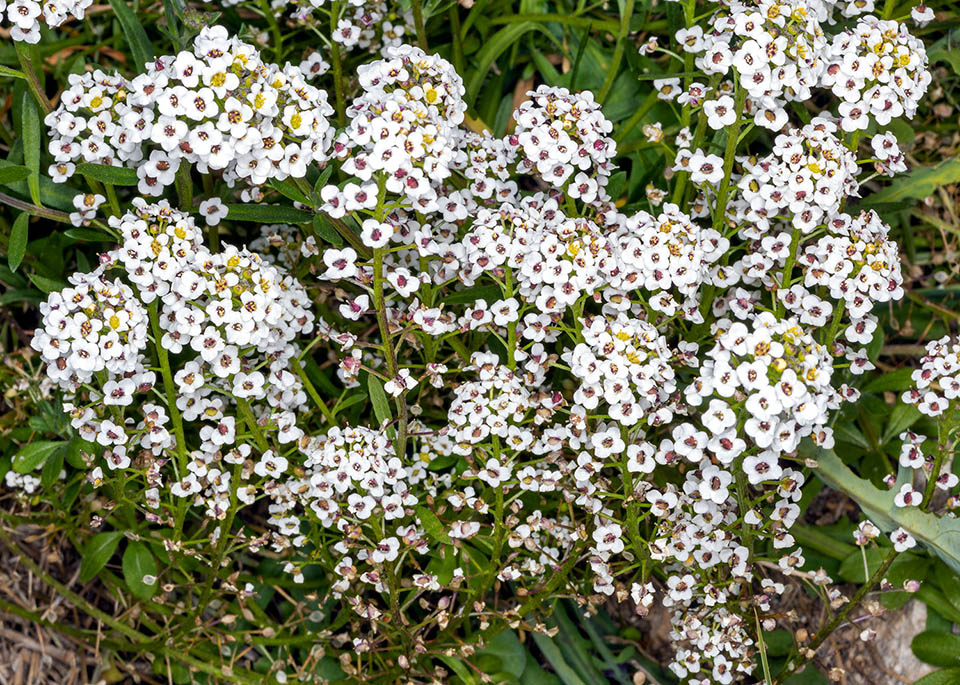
[335, 59]
[417, 8]
[786, 277]
[380, 305]
[175, 418]
[33, 83]
[839, 619]
[312, 391]
[184, 186]
[617, 52]
[733, 135]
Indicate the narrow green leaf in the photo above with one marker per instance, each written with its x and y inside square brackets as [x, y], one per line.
[33, 454]
[136, 37]
[52, 466]
[381, 407]
[901, 418]
[47, 285]
[267, 214]
[12, 73]
[30, 123]
[325, 230]
[432, 525]
[13, 174]
[114, 175]
[288, 189]
[917, 184]
[493, 48]
[97, 553]
[19, 234]
[138, 562]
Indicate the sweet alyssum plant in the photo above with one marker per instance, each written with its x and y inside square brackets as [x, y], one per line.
[564, 398]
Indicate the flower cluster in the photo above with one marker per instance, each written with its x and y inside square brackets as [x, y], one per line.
[879, 70]
[403, 129]
[560, 133]
[219, 107]
[25, 16]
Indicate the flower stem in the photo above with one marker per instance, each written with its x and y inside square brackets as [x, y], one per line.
[417, 8]
[839, 619]
[614, 69]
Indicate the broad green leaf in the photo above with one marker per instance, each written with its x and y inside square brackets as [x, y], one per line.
[33, 454]
[136, 37]
[940, 534]
[509, 651]
[19, 235]
[937, 648]
[138, 562]
[52, 466]
[114, 175]
[270, 214]
[917, 184]
[949, 581]
[30, 123]
[97, 553]
[13, 174]
[381, 407]
[432, 525]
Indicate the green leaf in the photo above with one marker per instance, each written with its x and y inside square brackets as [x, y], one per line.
[949, 581]
[12, 73]
[136, 37]
[947, 676]
[33, 454]
[432, 525]
[13, 174]
[289, 190]
[489, 293]
[269, 214]
[30, 123]
[937, 648]
[381, 407]
[138, 562]
[554, 656]
[506, 648]
[917, 184]
[898, 380]
[97, 553]
[114, 175]
[52, 467]
[47, 285]
[457, 666]
[324, 229]
[809, 676]
[940, 534]
[901, 418]
[19, 234]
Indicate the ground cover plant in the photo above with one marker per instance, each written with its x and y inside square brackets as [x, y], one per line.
[418, 342]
